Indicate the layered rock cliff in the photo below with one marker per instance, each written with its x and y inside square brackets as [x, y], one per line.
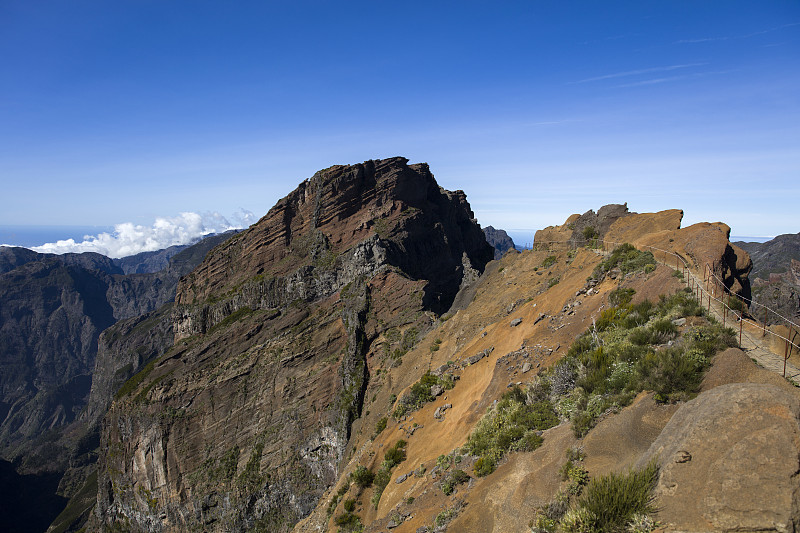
[54, 308]
[280, 332]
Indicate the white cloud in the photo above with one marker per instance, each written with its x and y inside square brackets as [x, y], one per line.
[129, 239]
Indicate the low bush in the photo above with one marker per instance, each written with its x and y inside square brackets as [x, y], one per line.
[610, 502]
[380, 426]
[395, 455]
[620, 296]
[362, 476]
[628, 349]
[512, 424]
[452, 479]
[627, 258]
[348, 522]
[420, 393]
[549, 261]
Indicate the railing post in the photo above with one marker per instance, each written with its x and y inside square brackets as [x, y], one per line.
[785, 356]
[741, 322]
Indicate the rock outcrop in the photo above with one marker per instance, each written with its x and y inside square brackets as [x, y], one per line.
[729, 461]
[700, 244]
[244, 422]
[776, 276]
[499, 240]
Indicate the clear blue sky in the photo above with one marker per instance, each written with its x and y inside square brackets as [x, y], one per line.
[127, 110]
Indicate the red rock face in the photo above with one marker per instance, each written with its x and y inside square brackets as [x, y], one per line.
[343, 222]
[243, 424]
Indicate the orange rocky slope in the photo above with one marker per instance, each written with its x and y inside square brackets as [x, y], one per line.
[552, 316]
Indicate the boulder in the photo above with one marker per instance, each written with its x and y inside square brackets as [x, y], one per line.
[729, 460]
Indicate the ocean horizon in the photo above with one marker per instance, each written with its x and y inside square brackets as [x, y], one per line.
[29, 236]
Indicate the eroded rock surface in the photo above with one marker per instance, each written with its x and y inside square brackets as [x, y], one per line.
[729, 461]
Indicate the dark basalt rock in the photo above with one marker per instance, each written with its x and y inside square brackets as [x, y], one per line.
[499, 240]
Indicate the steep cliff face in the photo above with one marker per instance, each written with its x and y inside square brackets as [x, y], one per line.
[52, 314]
[280, 332]
[499, 240]
[54, 309]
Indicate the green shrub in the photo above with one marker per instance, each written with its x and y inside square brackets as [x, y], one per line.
[484, 466]
[578, 477]
[512, 424]
[381, 425]
[348, 522]
[396, 454]
[663, 330]
[362, 476]
[620, 296]
[590, 233]
[549, 261]
[350, 505]
[452, 479]
[627, 258]
[612, 501]
[669, 373]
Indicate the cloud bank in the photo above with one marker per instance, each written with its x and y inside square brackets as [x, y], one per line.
[129, 239]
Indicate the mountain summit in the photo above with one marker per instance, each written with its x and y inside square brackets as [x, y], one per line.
[280, 333]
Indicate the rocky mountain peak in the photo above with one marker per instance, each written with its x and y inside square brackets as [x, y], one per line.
[344, 221]
[280, 332]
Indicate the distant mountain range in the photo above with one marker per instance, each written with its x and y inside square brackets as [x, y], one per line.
[54, 308]
[776, 275]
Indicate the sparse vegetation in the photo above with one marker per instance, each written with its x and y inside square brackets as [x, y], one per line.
[452, 479]
[549, 261]
[631, 348]
[380, 426]
[134, 381]
[420, 393]
[627, 259]
[337, 497]
[391, 458]
[446, 516]
[733, 302]
[514, 423]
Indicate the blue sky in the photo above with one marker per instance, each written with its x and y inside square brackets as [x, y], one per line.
[126, 111]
